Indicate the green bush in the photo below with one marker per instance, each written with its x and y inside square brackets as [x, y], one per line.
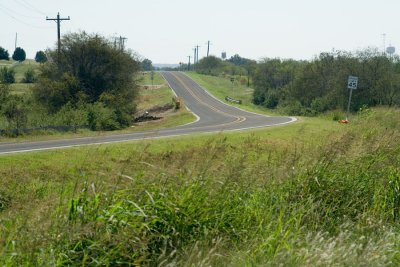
[271, 98]
[101, 117]
[29, 76]
[72, 116]
[7, 75]
[16, 112]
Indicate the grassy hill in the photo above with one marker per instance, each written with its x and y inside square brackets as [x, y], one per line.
[313, 193]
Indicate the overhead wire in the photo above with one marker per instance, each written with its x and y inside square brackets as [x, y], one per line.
[8, 13]
[18, 14]
[29, 6]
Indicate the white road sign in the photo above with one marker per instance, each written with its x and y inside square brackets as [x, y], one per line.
[352, 82]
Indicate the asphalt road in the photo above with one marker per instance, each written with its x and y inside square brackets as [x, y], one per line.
[213, 116]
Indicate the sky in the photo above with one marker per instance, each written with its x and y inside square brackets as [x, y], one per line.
[166, 31]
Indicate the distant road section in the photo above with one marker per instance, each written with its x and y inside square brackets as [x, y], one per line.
[213, 116]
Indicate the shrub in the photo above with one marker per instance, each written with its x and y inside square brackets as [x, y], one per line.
[29, 76]
[72, 116]
[16, 113]
[271, 99]
[101, 117]
[7, 75]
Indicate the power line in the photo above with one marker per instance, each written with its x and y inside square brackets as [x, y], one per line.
[21, 21]
[17, 13]
[29, 6]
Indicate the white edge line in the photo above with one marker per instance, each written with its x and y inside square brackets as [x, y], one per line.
[144, 138]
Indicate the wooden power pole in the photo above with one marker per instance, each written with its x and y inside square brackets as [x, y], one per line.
[58, 21]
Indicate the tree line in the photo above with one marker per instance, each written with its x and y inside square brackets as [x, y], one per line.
[310, 87]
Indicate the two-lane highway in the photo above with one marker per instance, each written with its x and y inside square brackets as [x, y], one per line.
[213, 116]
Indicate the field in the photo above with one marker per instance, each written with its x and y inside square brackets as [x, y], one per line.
[313, 193]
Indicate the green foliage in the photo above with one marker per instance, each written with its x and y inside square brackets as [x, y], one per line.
[4, 54]
[29, 76]
[7, 75]
[16, 112]
[89, 69]
[72, 116]
[273, 75]
[146, 65]
[240, 61]
[100, 117]
[209, 65]
[4, 94]
[19, 54]
[40, 57]
[321, 85]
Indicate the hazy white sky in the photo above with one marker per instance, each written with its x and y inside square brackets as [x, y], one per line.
[166, 31]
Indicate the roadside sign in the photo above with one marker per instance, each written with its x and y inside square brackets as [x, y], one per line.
[352, 82]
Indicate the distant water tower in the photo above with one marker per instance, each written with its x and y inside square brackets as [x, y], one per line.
[223, 55]
[390, 50]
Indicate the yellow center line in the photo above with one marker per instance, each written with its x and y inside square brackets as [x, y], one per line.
[190, 91]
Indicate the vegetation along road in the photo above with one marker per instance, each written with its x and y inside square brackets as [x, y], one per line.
[213, 116]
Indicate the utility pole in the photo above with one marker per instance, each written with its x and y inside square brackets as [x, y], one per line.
[197, 55]
[384, 43]
[122, 42]
[189, 63]
[194, 56]
[208, 48]
[58, 20]
[16, 38]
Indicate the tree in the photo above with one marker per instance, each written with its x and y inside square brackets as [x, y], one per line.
[40, 57]
[89, 69]
[19, 54]
[4, 54]
[239, 61]
[146, 65]
[208, 65]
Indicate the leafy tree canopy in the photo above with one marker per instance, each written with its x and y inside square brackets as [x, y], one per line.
[146, 65]
[40, 57]
[239, 61]
[89, 69]
[4, 54]
[19, 54]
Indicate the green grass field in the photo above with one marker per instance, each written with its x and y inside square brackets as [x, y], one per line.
[313, 193]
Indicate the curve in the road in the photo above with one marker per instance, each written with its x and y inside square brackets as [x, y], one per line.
[213, 116]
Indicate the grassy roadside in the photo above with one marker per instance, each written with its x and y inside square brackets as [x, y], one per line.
[312, 194]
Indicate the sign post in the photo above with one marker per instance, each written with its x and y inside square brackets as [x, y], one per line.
[352, 83]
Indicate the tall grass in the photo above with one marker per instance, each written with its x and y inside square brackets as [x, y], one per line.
[309, 199]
